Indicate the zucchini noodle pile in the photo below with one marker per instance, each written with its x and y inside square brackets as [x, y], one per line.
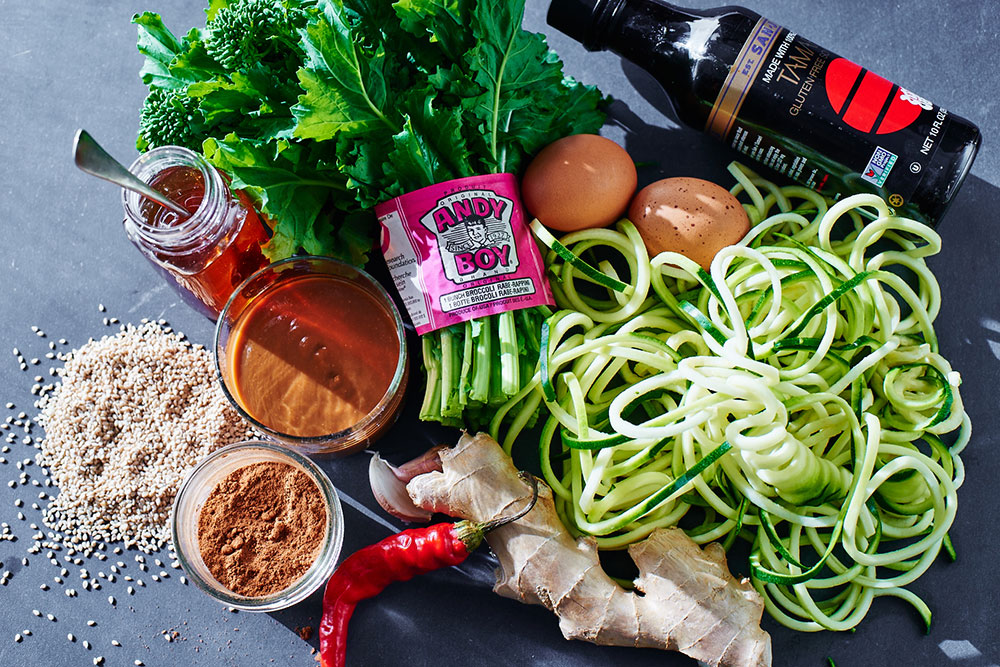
[794, 394]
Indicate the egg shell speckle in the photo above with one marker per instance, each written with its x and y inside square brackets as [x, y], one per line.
[694, 217]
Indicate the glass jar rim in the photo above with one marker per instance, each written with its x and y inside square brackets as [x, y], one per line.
[192, 229]
[315, 444]
[318, 572]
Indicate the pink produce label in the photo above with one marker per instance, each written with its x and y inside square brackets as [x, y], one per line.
[460, 250]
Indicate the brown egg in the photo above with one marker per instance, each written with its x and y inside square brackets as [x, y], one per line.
[578, 182]
[691, 216]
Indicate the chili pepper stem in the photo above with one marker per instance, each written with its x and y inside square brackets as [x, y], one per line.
[472, 533]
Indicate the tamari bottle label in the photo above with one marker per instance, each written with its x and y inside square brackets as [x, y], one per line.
[826, 102]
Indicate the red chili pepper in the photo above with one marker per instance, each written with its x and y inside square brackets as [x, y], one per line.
[399, 557]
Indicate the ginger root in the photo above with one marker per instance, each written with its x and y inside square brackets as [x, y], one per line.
[687, 601]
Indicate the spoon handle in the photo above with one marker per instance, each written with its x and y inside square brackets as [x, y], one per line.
[91, 158]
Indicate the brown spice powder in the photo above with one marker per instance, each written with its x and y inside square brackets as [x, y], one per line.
[262, 528]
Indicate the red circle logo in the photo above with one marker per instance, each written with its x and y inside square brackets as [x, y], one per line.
[871, 94]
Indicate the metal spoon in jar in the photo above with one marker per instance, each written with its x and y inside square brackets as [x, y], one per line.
[91, 158]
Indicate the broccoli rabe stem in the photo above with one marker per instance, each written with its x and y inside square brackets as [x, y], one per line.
[430, 409]
[468, 344]
[451, 363]
[480, 389]
[510, 372]
[478, 365]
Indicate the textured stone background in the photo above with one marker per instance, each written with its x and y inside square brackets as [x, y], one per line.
[69, 64]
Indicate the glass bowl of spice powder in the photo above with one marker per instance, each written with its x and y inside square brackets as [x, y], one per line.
[257, 526]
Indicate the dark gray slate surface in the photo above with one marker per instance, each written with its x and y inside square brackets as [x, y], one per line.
[69, 64]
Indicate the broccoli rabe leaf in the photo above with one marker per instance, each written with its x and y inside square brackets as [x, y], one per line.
[429, 149]
[438, 20]
[344, 81]
[511, 66]
[160, 47]
[296, 193]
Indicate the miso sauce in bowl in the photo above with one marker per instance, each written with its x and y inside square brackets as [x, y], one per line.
[312, 352]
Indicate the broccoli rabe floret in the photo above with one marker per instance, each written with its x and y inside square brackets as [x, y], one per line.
[244, 32]
[169, 117]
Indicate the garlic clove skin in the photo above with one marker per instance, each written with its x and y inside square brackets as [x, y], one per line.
[390, 492]
[429, 461]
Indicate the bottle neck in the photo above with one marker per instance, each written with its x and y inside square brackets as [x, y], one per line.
[663, 38]
[688, 51]
[182, 237]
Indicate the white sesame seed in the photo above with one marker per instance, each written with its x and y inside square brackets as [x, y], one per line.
[111, 600]
[91, 623]
[115, 642]
[36, 612]
[71, 637]
[17, 638]
[51, 617]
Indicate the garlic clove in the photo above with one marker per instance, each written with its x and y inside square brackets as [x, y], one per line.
[390, 492]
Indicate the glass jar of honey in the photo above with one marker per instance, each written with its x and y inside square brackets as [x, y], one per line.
[208, 253]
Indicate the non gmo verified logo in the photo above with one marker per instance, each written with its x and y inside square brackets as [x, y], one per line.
[879, 166]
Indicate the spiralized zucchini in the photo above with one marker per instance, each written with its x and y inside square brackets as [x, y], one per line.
[794, 394]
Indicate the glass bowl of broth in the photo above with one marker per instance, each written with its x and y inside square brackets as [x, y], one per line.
[312, 352]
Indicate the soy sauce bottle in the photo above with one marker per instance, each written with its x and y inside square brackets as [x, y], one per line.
[785, 102]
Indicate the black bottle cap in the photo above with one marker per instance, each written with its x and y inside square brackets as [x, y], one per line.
[578, 19]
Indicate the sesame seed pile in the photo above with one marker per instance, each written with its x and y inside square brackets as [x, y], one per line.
[132, 414]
